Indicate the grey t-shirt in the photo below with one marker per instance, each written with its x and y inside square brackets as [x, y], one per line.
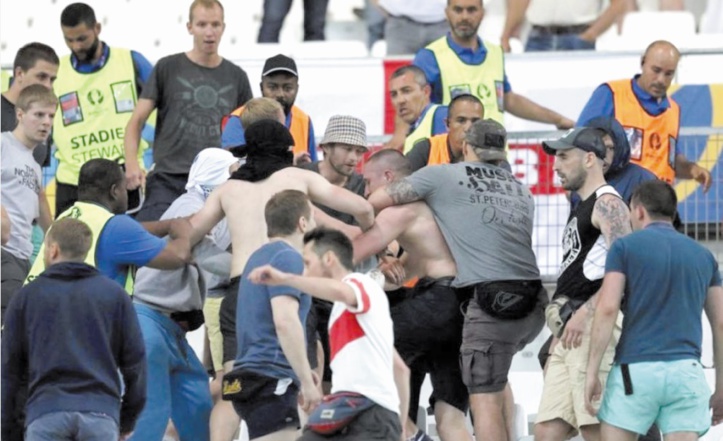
[21, 183]
[184, 289]
[8, 121]
[485, 215]
[191, 100]
[354, 184]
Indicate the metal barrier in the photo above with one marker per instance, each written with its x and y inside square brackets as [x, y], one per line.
[701, 213]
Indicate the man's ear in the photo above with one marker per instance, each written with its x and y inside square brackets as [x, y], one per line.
[642, 61]
[328, 258]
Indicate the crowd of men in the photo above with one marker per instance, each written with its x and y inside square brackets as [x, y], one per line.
[328, 293]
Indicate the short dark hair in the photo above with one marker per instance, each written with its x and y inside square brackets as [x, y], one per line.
[394, 159]
[208, 4]
[464, 97]
[28, 55]
[284, 210]
[77, 13]
[327, 239]
[36, 93]
[73, 237]
[96, 178]
[418, 73]
[658, 198]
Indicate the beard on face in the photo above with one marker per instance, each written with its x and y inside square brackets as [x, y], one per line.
[88, 54]
[575, 183]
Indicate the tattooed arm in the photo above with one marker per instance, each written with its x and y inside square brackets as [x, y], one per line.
[612, 217]
[395, 193]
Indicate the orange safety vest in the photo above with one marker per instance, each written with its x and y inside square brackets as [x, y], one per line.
[652, 138]
[438, 150]
[299, 129]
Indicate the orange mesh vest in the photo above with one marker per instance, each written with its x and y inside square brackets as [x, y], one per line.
[438, 151]
[299, 127]
[652, 138]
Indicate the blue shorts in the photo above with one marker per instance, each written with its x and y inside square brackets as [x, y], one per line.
[673, 394]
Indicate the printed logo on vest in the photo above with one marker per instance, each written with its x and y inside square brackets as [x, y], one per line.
[459, 89]
[635, 138]
[70, 106]
[95, 97]
[123, 96]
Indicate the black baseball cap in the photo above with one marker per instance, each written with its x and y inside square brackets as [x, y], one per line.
[583, 138]
[280, 63]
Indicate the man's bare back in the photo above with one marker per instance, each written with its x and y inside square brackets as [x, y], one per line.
[243, 205]
[413, 226]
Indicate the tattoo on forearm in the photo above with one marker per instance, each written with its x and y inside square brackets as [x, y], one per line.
[614, 218]
[401, 192]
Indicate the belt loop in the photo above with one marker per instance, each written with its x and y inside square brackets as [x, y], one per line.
[627, 381]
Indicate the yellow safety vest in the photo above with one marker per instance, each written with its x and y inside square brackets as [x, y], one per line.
[95, 217]
[422, 131]
[5, 76]
[485, 81]
[94, 110]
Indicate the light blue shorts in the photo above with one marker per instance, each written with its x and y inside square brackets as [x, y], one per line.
[673, 394]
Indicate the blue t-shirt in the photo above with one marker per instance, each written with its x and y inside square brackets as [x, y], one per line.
[425, 60]
[438, 125]
[122, 243]
[601, 104]
[667, 279]
[258, 348]
[233, 134]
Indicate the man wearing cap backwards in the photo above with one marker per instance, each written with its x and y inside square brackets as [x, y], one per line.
[599, 219]
[169, 304]
[485, 215]
[279, 81]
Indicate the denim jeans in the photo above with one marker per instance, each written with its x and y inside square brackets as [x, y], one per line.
[275, 11]
[177, 382]
[538, 41]
[72, 426]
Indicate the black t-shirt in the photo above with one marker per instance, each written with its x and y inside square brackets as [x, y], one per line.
[419, 155]
[8, 121]
[354, 184]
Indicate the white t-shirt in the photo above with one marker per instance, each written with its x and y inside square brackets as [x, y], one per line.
[362, 344]
[21, 183]
[563, 12]
[425, 11]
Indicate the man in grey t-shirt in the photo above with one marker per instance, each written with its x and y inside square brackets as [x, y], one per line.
[192, 91]
[485, 215]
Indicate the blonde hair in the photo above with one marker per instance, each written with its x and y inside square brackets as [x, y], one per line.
[207, 4]
[257, 109]
[36, 93]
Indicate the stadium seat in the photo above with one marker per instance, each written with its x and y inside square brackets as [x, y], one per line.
[379, 49]
[655, 25]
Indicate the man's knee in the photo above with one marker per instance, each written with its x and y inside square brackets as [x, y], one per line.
[486, 366]
[554, 430]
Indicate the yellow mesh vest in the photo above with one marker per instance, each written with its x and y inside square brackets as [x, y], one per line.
[485, 81]
[423, 130]
[95, 217]
[93, 113]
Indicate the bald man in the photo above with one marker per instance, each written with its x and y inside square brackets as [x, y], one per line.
[651, 118]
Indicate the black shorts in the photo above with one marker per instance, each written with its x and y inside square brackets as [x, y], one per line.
[428, 335]
[267, 412]
[376, 423]
[227, 319]
[317, 329]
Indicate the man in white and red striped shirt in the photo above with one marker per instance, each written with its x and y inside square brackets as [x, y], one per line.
[363, 359]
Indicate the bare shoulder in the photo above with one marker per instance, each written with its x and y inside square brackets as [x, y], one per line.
[612, 216]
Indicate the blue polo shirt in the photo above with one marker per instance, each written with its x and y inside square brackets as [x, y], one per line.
[667, 278]
[233, 134]
[438, 125]
[124, 242]
[426, 61]
[601, 103]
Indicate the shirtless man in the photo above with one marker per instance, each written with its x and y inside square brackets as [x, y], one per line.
[242, 200]
[430, 318]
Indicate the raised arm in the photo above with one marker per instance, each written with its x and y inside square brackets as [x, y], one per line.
[389, 224]
[208, 216]
[397, 192]
[134, 175]
[322, 288]
[340, 199]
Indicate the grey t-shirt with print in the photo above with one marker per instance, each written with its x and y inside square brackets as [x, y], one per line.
[21, 183]
[485, 215]
[191, 100]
